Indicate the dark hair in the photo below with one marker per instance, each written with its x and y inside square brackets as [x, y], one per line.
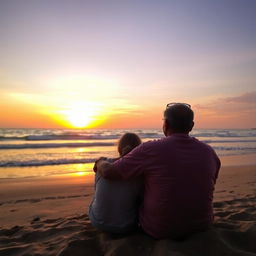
[179, 117]
[127, 143]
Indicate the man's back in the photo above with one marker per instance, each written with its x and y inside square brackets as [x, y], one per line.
[179, 176]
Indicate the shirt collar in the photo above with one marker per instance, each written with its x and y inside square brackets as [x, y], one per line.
[181, 135]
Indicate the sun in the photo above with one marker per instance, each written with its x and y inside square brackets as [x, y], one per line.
[78, 119]
[80, 115]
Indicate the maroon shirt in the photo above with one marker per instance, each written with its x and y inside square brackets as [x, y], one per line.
[179, 174]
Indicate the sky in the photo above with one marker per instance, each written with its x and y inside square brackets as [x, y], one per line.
[116, 64]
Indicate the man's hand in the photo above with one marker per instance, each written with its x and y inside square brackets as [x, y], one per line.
[96, 162]
[107, 170]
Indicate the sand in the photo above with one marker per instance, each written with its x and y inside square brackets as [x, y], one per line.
[47, 216]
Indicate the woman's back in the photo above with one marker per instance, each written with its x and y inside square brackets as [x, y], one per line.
[115, 204]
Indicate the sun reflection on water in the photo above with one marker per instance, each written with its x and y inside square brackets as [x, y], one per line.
[83, 169]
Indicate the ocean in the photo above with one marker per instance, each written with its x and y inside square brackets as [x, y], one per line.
[46, 152]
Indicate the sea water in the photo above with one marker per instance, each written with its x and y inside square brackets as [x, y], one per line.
[44, 152]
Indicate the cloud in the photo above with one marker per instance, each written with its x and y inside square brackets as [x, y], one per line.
[242, 103]
[249, 97]
[236, 111]
[52, 103]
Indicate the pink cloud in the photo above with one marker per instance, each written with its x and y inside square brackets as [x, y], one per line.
[236, 112]
[245, 102]
[249, 97]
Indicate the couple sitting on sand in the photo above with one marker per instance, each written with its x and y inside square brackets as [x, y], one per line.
[164, 186]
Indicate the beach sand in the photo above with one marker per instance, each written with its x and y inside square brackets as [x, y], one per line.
[47, 216]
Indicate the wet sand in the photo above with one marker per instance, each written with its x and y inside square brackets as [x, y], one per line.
[47, 216]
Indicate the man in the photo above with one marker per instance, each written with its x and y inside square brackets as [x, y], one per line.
[179, 174]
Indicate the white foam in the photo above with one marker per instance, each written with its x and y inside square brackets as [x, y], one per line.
[54, 145]
[45, 162]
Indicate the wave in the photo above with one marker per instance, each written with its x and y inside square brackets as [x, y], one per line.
[64, 161]
[224, 134]
[46, 162]
[47, 135]
[151, 135]
[95, 144]
[74, 137]
[54, 145]
[60, 137]
[227, 141]
[244, 149]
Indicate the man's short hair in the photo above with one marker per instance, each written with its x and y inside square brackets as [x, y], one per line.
[179, 117]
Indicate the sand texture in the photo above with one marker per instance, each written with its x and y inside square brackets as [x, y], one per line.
[54, 222]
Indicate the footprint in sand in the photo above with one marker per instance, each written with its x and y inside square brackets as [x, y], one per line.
[218, 204]
[223, 214]
[243, 215]
[13, 210]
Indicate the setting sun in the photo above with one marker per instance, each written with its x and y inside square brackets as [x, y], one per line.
[81, 115]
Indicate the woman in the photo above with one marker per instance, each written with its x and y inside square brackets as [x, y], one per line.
[115, 204]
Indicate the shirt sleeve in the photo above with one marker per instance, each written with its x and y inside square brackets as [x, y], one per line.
[133, 164]
[218, 165]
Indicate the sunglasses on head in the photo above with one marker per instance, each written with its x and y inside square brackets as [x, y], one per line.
[177, 103]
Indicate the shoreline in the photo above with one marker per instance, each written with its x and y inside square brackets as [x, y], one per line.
[52, 171]
[238, 160]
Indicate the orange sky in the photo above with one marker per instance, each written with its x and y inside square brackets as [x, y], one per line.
[236, 112]
[101, 65]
